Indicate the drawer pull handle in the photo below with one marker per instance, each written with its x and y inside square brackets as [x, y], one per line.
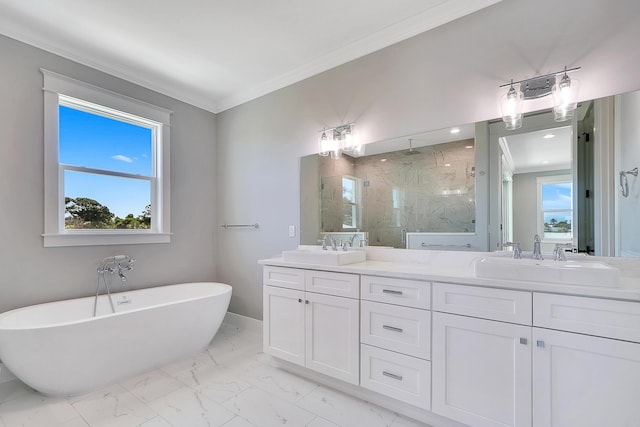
[390, 375]
[299, 299]
[391, 291]
[524, 341]
[392, 328]
[540, 344]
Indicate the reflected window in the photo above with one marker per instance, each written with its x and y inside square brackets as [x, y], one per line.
[555, 202]
[397, 196]
[350, 202]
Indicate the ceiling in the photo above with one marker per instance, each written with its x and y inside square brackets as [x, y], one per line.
[538, 151]
[217, 54]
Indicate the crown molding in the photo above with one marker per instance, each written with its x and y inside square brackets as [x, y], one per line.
[442, 13]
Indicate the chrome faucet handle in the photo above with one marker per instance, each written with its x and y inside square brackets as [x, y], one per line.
[345, 245]
[517, 251]
[364, 242]
[324, 244]
[333, 242]
[558, 252]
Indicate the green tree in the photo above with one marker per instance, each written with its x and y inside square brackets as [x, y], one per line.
[144, 219]
[127, 222]
[87, 213]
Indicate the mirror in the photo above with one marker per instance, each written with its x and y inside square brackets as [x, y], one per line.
[543, 177]
[498, 198]
[394, 194]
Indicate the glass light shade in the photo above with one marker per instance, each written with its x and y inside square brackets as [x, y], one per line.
[348, 138]
[511, 105]
[565, 98]
[325, 143]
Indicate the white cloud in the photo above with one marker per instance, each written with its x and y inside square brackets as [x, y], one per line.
[122, 158]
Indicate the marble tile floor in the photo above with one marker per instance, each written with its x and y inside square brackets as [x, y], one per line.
[231, 384]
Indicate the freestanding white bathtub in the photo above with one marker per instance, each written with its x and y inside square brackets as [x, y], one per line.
[60, 349]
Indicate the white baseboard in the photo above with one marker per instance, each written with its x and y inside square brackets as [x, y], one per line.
[5, 374]
[243, 322]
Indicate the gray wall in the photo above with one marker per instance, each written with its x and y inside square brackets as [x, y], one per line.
[243, 165]
[444, 77]
[32, 273]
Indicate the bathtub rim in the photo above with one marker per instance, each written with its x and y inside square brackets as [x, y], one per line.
[227, 289]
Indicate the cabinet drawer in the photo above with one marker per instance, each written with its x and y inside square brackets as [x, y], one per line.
[591, 316]
[401, 329]
[395, 375]
[283, 277]
[487, 303]
[330, 283]
[410, 293]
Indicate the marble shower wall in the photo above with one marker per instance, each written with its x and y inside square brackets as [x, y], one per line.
[331, 203]
[431, 190]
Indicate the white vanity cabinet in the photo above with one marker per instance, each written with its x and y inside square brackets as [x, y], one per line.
[481, 355]
[584, 380]
[395, 332]
[311, 318]
[484, 355]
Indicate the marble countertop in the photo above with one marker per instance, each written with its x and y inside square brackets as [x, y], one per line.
[457, 267]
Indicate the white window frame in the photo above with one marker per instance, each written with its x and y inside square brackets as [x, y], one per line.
[353, 204]
[59, 89]
[551, 179]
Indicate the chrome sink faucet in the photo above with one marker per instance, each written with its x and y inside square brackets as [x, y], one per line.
[537, 251]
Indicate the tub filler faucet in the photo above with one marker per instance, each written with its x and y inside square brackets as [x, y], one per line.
[112, 264]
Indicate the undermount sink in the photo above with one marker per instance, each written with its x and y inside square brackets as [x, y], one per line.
[328, 257]
[565, 272]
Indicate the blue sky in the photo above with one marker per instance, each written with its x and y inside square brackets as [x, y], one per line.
[557, 196]
[103, 143]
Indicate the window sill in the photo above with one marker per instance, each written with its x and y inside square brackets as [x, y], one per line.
[92, 238]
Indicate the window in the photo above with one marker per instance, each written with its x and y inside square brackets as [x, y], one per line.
[106, 166]
[555, 207]
[350, 202]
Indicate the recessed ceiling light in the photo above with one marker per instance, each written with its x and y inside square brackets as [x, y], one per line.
[549, 136]
[468, 146]
[383, 160]
[447, 165]
[545, 162]
[455, 130]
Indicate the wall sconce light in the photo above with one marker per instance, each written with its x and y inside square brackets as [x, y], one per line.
[563, 89]
[340, 139]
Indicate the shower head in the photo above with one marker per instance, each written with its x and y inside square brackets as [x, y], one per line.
[411, 151]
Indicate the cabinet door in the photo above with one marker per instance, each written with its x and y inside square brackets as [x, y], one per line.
[332, 345]
[585, 381]
[283, 326]
[481, 371]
